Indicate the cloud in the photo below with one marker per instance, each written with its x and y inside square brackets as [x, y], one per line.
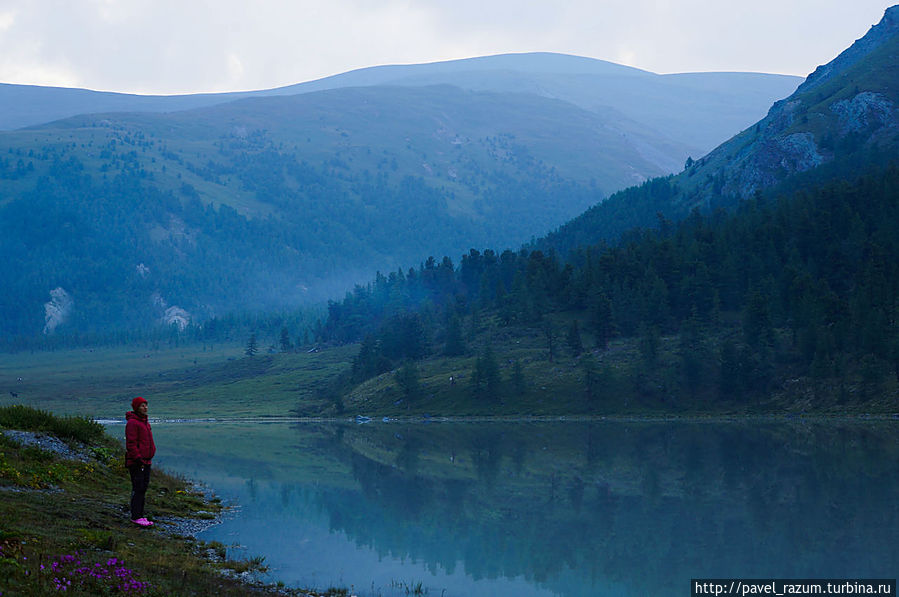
[7, 19]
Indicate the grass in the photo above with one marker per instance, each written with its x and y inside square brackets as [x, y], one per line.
[189, 381]
[201, 381]
[64, 524]
[198, 381]
[550, 386]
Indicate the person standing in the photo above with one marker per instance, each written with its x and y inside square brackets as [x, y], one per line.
[139, 452]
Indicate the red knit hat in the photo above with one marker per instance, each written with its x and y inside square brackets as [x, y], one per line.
[137, 402]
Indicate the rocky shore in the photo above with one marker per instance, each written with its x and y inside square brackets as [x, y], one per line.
[185, 528]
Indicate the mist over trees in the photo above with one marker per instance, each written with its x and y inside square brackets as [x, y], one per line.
[805, 284]
[130, 224]
[269, 202]
[801, 283]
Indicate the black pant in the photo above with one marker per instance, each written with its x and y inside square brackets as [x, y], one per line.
[140, 480]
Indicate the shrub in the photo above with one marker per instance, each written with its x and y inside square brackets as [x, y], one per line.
[26, 418]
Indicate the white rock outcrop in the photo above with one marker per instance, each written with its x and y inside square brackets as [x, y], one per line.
[865, 110]
[57, 309]
[176, 316]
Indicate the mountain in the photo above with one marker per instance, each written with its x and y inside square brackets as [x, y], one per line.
[268, 202]
[122, 218]
[843, 118]
[31, 105]
[846, 107]
[774, 292]
[698, 110]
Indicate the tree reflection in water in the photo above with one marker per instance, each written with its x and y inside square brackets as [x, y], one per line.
[622, 508]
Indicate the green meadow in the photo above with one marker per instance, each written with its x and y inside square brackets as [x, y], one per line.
[220, 381]
[184, 382]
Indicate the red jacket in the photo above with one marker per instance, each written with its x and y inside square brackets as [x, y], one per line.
[139, 446]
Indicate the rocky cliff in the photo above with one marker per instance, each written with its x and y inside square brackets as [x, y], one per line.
[845, 107]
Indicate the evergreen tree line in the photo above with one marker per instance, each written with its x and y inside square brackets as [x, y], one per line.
[289, 331]
[805, 283]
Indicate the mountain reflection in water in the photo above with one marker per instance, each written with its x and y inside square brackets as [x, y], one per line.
[564, 508]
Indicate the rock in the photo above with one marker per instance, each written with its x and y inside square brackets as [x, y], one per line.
[47, 443]
[867, 109]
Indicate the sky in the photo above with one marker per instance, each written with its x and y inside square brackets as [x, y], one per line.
[188, 46]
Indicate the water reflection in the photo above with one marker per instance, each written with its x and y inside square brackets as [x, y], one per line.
[550, 508]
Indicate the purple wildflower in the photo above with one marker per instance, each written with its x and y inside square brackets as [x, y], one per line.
[70, 572]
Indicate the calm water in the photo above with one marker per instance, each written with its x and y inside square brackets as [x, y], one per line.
[541, 509]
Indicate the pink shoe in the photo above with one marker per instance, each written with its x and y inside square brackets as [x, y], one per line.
[142, 522]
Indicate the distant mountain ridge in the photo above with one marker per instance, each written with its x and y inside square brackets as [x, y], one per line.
[698, 109]
[263, 202]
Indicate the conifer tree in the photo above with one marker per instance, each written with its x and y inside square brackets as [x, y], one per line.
[455, 345]
[602, 321]
[286, 346]
[485, 381]
[573, 338]
[649, 345]
[252, 347]
[409, 381]
[550, 333]
[757, 329]
[692, 355]
[730, 374]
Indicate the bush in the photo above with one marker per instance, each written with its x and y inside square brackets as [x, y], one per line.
[26, 418]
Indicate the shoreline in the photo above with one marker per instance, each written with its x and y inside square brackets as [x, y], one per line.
[622, 418]
[115, 537]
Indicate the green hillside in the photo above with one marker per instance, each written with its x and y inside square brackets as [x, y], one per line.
[787, 305]
[185, 208]
[272, 202]
[761, 279]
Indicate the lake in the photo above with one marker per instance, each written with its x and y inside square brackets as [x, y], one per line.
[620, 508]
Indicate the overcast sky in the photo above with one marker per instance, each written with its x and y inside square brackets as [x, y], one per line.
[180, 46]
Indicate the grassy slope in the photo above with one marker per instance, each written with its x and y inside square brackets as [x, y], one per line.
[192, 381]
[428, 131]
[53, 507]
[221, 382]
[627, 385]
